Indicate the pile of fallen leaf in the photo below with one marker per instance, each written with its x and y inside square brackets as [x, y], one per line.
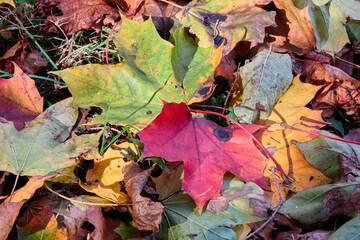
[204, 119]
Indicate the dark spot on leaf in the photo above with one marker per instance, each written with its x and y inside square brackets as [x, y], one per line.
[148, 112]
[202, 91]
[118, 166]
[219, 40]
[212, 18]
[96, 181]
[134, 47]
[311, 178]
[222, 134]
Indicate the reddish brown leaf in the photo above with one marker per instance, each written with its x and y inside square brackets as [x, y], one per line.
[208, 150]
[81, 14]
[43, 223]
[11, 206]
[147, 213]
[133, 5]
[15, 54]
[340, 90]
[20, 101]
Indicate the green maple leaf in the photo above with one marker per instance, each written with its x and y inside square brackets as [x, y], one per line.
[153, 70]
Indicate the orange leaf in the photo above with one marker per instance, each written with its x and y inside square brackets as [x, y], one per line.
[20, 101]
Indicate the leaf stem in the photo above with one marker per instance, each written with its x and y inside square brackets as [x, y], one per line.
[319, 134]
[209, 106]
[15, 183]
[283, 174]
[87, 203]
[108, 40]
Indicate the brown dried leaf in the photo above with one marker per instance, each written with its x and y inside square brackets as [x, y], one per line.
[340, 89]
[147, 213]
[77, 15]
[15, 54]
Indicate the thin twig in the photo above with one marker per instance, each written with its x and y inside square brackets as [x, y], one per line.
[87, 203]
[274, 213]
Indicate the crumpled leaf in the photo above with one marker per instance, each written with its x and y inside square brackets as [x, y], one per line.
[350, 230]
[81, 14]
[134, 89]
[264, 80]
[103, 229]
[228, 20]
[146, 213]
[20, 100]
[20, 153]
[11, 206]
[277, 138]
[239, 203]
[294, 31]
[323, 202]
[340, 90]
[43, 225]
[105, 178]
[208, 150]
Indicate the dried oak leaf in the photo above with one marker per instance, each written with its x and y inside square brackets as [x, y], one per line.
[340, 90]
[77, 15]
[208, 150]
[20, 101]
[147, 213]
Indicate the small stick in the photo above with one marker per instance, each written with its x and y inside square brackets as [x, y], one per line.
[209, 106]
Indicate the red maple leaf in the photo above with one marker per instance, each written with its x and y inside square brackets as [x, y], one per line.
[206, 149]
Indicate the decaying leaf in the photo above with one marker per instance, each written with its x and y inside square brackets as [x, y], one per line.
[208, 150]
[20, 100]
[20, 153]
[229, 20]
[134, 89]
[11, 206]
[264, 80]
[146, 213]
[82, 14]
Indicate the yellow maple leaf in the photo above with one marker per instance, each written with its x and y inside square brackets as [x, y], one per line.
[105, 178]
[290, 109]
